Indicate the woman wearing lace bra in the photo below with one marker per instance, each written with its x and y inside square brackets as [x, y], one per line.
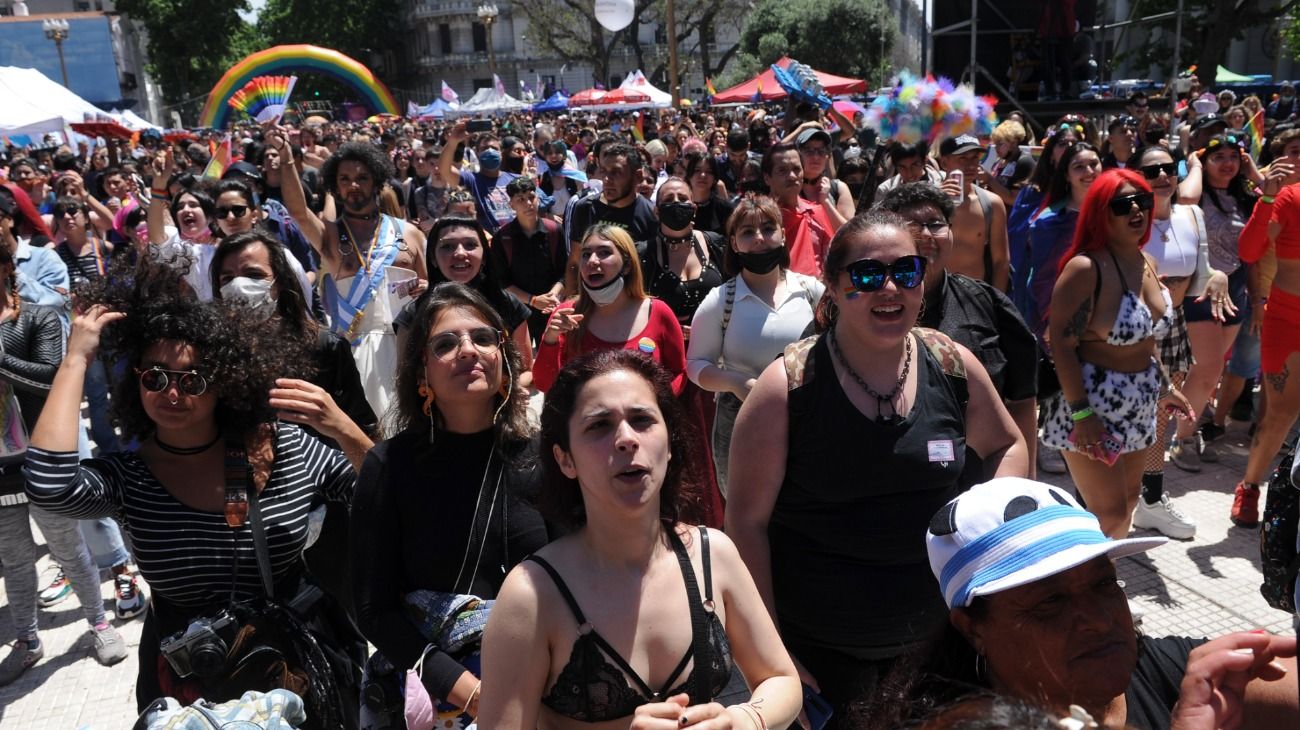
[1102, 329]
[593, 629]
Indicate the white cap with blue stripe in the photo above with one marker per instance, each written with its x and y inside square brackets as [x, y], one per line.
[1009, 532]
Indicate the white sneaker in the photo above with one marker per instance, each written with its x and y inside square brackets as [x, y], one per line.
[1165, 518]
[1050, 460]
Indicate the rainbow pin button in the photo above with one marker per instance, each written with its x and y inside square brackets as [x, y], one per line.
[646, 345]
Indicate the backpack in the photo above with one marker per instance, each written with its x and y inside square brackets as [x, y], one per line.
[1277, 537]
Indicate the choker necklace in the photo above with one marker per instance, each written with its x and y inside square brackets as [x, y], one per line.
[367, 217]
[893, 419]
[674, 242]
[188, 450]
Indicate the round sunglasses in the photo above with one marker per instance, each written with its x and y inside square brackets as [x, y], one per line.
[869, 275]
[157, 380]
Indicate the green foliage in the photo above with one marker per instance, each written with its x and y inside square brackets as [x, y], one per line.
[1209, 27]
[847, 37]
[1290, 29]
[358, 29]
[191, 42]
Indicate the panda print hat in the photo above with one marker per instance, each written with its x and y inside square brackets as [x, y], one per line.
[1009, 532]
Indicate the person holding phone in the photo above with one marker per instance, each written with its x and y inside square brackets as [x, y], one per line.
[1106, 311]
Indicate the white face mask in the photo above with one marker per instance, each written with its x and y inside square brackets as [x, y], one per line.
[605, 295]
[254, 293]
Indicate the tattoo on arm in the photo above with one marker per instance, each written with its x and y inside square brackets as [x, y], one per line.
[1078, 322]
[1277, 381]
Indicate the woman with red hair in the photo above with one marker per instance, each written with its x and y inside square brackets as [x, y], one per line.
[1107, 308]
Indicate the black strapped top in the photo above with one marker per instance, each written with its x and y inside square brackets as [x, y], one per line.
[591, 689]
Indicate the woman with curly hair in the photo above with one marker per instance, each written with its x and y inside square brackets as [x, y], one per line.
[591, 628]
[203, 374]
[462, 422]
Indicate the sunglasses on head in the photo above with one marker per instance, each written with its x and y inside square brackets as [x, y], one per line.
[484, 339]
[157, 380]
[239, 211]
[869, 275]
[1152, 172]
[1124, 204]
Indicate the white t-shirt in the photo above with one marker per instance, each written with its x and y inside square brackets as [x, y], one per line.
[756, 333]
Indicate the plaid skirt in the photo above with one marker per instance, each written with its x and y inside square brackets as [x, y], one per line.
[1174, 348]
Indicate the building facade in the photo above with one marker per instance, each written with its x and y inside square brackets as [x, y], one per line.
[96, 33]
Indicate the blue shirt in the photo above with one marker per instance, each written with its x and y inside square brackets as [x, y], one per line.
[490, 197]
[43, 278]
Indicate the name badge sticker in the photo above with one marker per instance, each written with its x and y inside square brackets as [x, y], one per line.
[941, 451]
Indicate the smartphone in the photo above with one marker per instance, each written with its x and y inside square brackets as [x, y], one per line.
[1111, 448]
[476, 126]
[818, 709]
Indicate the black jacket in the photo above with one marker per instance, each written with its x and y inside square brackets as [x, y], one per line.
[32, 351]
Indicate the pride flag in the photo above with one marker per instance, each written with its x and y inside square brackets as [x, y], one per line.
[219, 162]
[449, 94]
[638, 129]
[1255, 128]
[708, 87]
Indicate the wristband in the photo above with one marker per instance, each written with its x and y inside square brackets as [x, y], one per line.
[1267, 199]
[1078, 405]
[1081, 415]
[156, 191]
[160, 196]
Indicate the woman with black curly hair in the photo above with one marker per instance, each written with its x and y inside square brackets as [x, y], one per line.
[461, 411]
[202, 377]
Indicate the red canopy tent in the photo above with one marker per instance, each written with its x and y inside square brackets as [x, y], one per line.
[749, 91]
[611, 98]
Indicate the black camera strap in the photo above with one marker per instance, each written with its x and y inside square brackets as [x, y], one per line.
[240, 488]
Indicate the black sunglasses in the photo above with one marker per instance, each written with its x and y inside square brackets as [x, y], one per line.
[1152, 172]
[1123, 204]
[869, 275]
[157, 380]
[239, 211]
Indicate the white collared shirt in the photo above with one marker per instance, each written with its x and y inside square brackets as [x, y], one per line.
[756, 333]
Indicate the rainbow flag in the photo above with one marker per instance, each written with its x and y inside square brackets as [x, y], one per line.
[708, 87]
[1255, 128]
[638, 129]
[219, 162]
[264, 98]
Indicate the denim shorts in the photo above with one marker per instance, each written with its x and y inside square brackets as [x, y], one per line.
[1194, 311]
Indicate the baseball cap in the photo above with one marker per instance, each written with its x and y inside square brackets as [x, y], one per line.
[958, 145]
[1208, 120]
[246, 169]
[1009, 532]
[810, 134]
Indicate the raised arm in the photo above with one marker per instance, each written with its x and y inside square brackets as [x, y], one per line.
[447, 169]
[60, 420]
[159, 196]
[295, 198]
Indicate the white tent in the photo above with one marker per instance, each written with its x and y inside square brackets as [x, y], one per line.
[133, 121]
[637, 81]
[490, 101]
[36, 105]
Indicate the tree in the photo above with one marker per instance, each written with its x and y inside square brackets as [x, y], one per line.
[1289, 30]
[361, 30]
[848, 37]
[191, 42]
[1209, 28]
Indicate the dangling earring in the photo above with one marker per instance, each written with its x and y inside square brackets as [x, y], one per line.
[981, 665]
[427, 394]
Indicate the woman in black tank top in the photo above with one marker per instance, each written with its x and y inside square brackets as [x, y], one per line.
[636, 611]
[843, 451]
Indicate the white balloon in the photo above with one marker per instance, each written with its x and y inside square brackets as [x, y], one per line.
[614, 15]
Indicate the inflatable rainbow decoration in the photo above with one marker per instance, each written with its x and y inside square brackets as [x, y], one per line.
[295, 58]
[265, 97]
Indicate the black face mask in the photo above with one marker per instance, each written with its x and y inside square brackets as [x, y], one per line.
[855, 189]
[761, 262]
[676, 216]
[513, 164]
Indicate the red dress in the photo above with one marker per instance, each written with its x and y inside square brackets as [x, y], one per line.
[661, 340]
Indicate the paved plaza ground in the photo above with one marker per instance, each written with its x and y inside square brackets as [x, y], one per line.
[1201, 587]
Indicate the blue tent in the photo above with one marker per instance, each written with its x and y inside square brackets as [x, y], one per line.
[438, 109]
[556, 103]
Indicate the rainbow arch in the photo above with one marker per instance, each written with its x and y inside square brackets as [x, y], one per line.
[291, 58]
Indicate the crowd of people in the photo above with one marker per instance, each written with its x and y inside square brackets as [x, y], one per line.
[734, 421]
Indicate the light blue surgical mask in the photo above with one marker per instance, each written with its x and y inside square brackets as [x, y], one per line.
[489, 159]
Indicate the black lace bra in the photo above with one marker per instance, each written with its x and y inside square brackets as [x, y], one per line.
[592, 689]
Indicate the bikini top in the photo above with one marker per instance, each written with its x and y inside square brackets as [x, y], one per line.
[1133, 322]
[592, 689]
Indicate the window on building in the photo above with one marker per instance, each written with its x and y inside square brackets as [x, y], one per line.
[480, 38]
[444, 38]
